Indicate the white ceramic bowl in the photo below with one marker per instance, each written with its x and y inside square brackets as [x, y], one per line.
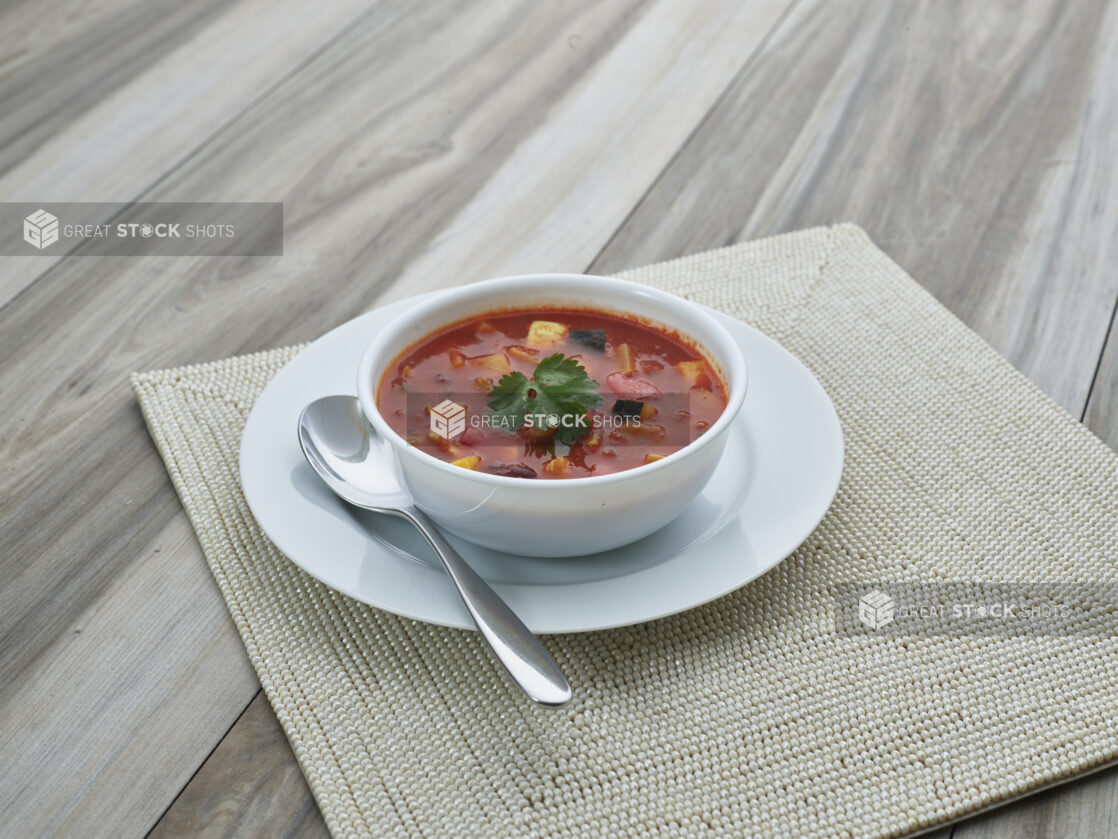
[566, 517]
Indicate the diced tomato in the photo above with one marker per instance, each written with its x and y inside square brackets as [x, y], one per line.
[632, 387]
[473, 437]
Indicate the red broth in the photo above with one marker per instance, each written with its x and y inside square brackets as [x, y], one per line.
[658, 391]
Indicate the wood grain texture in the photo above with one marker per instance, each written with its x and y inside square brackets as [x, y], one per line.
[250, 786]
[123, 705]
[101, 106]
[374, 148]
[44, 44]
[733, 181]
[1101, 413]
[973, 142]
[557, 204]
[1086, 808]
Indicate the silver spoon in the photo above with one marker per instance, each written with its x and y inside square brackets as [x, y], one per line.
[345, 452]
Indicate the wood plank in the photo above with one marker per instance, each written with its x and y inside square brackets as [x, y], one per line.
[112, 41]
[374, 148]
[509, 228]
[924, 146]
[118, 93]
[135, 683]
[718, 223]
[974, 142]
[250, 786]
[1084, 808]
[517, 237]
[1088, 807]
[1101, 413]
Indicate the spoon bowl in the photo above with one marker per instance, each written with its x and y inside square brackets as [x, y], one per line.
[347, 455]
[351, 460]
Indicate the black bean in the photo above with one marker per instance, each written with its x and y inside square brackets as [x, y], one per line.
[511, 470]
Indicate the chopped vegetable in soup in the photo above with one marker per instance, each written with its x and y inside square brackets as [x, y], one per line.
[551, 393]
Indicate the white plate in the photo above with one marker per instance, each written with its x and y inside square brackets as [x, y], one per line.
[778, 476]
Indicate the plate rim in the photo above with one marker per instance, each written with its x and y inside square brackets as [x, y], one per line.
[731, 323]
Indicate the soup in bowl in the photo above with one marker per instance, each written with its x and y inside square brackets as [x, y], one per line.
[553, 414]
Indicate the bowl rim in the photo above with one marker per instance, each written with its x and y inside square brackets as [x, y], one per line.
[733, 368]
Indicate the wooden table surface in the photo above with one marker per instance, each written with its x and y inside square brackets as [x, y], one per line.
[423, 144]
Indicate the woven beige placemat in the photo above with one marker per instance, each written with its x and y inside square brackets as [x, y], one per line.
[750, 716]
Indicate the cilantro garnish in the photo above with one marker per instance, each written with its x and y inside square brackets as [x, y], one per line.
[557, 396]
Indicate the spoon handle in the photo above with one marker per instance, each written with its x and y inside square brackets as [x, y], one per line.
[521, 652]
